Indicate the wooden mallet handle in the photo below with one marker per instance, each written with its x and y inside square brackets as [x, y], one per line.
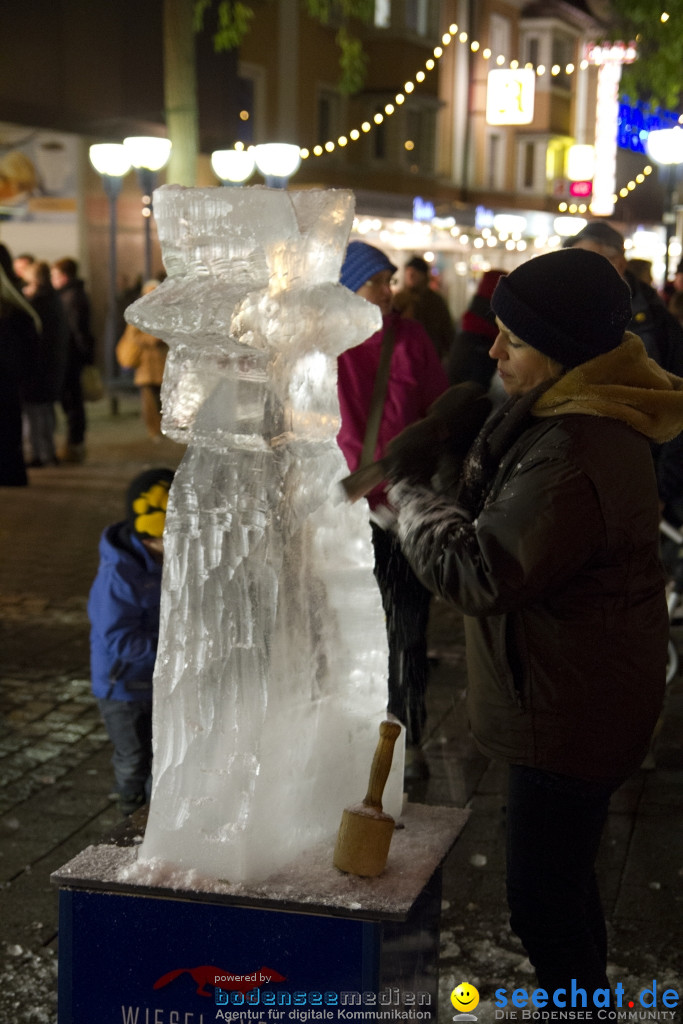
[381, 764]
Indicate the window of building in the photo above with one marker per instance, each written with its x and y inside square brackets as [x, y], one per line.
[540, 164]
[562, 54]
[428, 142]
[528, 165]
[499, 36]
[556, 158]
[532, 50]
[382, 14]
[495, 161]
[411, 143]
[245, 93]
[251, 84]
[379, 138]
[328, 114]
[417, 16]
[418, 140]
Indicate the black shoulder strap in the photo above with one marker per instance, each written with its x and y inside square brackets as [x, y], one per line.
[377, 402]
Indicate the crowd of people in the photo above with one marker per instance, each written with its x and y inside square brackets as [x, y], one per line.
[526, 459]
[46, 343]
[539, 521]
[425, 354]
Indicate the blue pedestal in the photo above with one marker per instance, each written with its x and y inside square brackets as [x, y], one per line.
[310, 944]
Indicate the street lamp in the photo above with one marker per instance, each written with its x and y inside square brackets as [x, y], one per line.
[148, 154]
[277, 162]
[665, 147]
[233, 166]
[111, 161]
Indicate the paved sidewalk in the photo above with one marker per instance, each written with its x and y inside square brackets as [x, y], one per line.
[55, 776]
[55, 773]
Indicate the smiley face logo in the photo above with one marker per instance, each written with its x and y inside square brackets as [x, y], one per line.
[465, 997]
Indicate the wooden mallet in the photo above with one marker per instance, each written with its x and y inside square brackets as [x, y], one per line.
[365, 832]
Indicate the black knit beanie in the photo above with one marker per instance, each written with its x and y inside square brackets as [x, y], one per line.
[572, 305]
[146, 501]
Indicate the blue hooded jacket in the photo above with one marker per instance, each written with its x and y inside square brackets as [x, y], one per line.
[124, 614]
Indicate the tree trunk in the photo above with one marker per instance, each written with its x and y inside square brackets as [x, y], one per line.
[180, 91]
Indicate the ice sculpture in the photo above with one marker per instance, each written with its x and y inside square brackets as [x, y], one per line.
[270, 681]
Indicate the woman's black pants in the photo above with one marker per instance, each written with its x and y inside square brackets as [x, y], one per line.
[553, 834]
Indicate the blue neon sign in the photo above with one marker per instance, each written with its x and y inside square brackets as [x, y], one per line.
[634, 124]
[423, 209]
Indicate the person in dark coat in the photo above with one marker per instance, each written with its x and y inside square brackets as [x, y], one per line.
[469, 357]
[549, 546]
[80, 352]
[417, 301]
[19, 339]
[123, 607]
[44, 385]
[662, 336]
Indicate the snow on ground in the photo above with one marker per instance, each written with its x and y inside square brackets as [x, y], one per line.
[28, 986]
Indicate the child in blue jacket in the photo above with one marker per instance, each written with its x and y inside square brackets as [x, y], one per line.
[124, 615]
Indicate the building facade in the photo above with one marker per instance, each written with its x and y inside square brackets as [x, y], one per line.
[441, 163]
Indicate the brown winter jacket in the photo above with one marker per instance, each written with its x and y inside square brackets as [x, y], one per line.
[553, 558]
[144, 353]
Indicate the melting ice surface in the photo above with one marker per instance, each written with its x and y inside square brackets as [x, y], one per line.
[270, 680]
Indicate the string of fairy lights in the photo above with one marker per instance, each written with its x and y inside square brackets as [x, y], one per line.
[565, 207]
[453, 33]
[500, 60]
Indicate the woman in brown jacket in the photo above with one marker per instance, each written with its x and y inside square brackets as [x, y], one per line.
[550, 548]
[145, 354]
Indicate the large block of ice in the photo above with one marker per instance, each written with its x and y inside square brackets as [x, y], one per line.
[270, 681]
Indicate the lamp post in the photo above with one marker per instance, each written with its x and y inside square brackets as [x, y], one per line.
[111, 161]
[665, 147]
[148, 154]
[277, 162]
[233, 166]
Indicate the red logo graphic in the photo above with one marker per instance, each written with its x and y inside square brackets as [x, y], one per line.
[220, 978]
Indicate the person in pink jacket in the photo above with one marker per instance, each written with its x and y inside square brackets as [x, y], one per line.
[416, 379]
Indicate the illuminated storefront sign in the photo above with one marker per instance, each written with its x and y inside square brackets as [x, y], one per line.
[423, 209]
[510, 96]
[580, 163]
[483, 217]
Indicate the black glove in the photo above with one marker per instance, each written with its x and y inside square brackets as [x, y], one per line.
[442, 439]
[415, 452]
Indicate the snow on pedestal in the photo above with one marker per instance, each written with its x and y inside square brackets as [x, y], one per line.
[270, 681]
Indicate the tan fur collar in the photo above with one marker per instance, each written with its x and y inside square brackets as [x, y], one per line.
[624, 384]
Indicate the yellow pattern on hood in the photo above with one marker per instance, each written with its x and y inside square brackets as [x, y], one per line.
[624, 384]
